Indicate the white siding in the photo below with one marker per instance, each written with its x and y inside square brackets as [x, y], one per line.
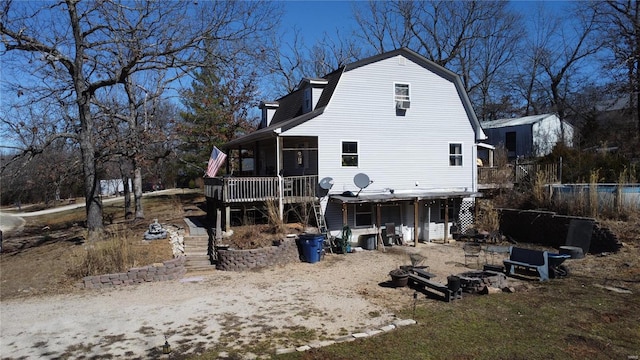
[547, 133]
[401, 152]
[533, 138]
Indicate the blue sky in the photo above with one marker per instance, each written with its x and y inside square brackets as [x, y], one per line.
[314, 18]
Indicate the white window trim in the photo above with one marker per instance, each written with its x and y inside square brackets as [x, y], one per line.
[395, 97]
[449, 154]
[357, 153]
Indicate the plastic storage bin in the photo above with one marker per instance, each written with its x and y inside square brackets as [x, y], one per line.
[311, 246]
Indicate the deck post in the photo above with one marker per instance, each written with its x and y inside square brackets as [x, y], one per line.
[476, 211]
[280, 181]
[379, 239]
[344, 215]
[446, 220]
[415, 222]
[227, 218]
[218, 236]
[280, 197]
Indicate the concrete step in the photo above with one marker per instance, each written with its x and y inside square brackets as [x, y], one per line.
[192, 245]
[196, 238]
[196, 245]
[197, 258]
[196, 254]
[195, 227]
[198, 269]
[188, 247]
[198, 263]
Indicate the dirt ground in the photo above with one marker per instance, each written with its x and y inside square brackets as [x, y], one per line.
[43, 316]
[253, 311]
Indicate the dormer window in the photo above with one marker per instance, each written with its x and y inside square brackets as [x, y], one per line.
[307, 100]
[402, 96]
[311, 92]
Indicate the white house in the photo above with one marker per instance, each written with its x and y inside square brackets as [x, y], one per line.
[391, 138]
[530, 136]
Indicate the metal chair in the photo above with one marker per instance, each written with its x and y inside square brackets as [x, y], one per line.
[472, 250]
[392, 237]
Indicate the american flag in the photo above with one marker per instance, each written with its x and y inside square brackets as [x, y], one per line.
[215, 162]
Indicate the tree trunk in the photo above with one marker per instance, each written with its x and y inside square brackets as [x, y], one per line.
[91, 183]
[91, 187]
[127, 197]
[137, 190]
[93, 203]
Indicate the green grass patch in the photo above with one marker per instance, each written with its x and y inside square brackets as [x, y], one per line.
[563, 319]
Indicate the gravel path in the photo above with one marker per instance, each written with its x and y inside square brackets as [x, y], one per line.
[248, 311]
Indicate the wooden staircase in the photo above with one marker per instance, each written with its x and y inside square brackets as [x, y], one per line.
[197, 248]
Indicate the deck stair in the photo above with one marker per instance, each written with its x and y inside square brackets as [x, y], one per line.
[197, 247]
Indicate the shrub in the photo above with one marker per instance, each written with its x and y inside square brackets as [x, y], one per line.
[112, 255]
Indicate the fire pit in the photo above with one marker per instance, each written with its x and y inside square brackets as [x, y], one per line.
[476, 281]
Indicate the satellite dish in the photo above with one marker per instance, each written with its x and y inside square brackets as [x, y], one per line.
[362, 181]
[326, 183]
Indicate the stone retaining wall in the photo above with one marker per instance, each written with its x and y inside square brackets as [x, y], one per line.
[286, 251]
[550, 229]
[167, 270]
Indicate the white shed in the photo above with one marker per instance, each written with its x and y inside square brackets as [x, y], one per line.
[529, 136]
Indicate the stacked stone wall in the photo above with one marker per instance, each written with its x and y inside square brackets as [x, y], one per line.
[284, 252]
[167, 270]
[550, 229]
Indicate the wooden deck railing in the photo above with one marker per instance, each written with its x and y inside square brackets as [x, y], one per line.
[518, 173]
[252, 189]
[529, 172]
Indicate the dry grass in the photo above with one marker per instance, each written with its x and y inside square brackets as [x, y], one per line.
[273, 216]
[258, 236]
[113, 255]
[49, 255]
[488, 216]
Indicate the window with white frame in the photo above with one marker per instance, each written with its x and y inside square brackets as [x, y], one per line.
[455, 154]
[402, 92]
[402, 95]
[350, 153]
[364, 214]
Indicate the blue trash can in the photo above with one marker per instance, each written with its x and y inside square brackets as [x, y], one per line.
[311, 245]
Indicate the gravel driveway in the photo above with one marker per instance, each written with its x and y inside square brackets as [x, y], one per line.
[280, 307]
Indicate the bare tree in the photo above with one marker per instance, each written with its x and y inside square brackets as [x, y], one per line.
[475, 39]
[73, 48]
[562, 56]
[328, 55]
[621, 29]
[382, 25]
[286, 62]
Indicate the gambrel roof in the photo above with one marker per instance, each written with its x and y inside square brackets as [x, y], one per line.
[290, 113]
